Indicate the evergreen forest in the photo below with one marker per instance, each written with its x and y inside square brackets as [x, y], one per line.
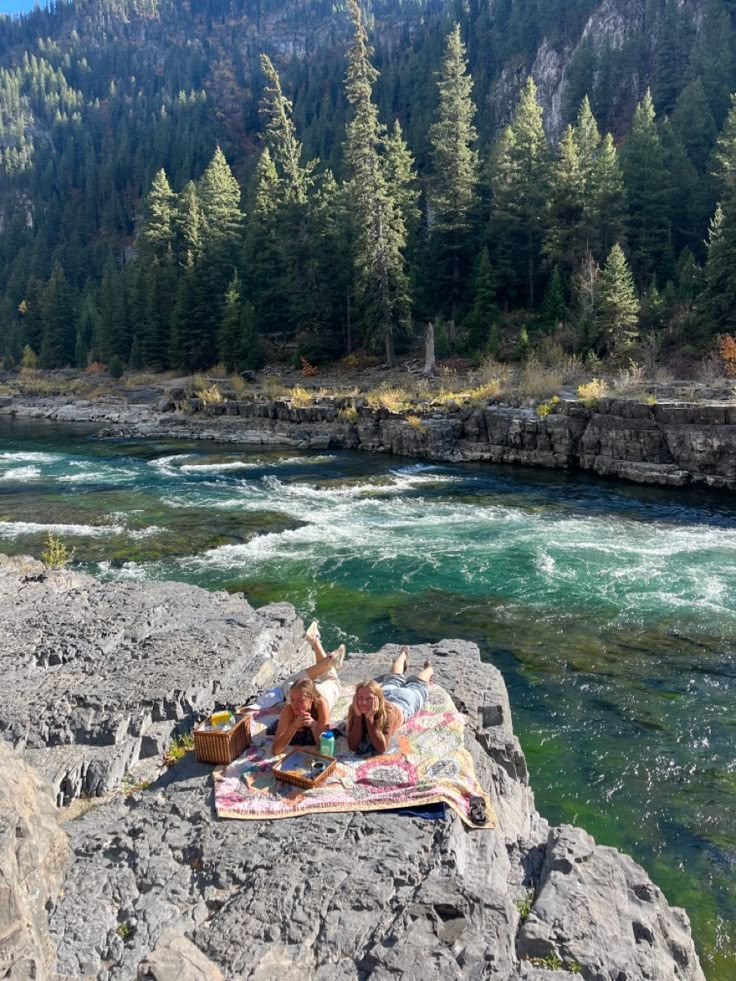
[190, 184]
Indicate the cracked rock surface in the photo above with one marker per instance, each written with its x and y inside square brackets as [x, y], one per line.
[159, 888]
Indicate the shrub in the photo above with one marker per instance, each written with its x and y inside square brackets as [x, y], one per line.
[180, 746]
[308, 370]
[115, 367]
[393, 399]
[301, 397]
[56, 554]
[631, 378]
[590, 392]
[537, 381]
[650, 399]
[239, 386]
[416, 423]
[210, 395]
[482, 394]
[95, 368]
[524, 906]
[358, 361]
[727, 351]
[274, 388]
[348, 415]
[29, 359]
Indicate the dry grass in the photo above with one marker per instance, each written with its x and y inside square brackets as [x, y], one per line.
[301, 397]
[239, 385]
[211, 395]
[591, 391]
[538, 381]
[142, 378]
[416, 423]
[484, 393]
[629, 380]
[393, 399]
[274, 388]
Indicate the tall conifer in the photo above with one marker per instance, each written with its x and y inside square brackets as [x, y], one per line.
[617, 305]
[454, 172]
[379, 228]
[519, 176]
[648, 192]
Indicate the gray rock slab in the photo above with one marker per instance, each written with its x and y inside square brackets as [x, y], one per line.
[34, 853]
[157, 883]
[177, 959]
[100, 671]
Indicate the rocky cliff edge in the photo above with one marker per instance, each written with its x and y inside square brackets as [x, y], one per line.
[146, 882]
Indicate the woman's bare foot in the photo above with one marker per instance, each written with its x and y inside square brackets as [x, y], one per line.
[427, 672]
[313, 632]
[338, 657]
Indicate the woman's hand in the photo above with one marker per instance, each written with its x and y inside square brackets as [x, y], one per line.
[356, 708]
[304, 720]
[370, 713]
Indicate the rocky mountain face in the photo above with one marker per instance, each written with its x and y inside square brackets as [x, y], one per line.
[220, 42]
[146, 882]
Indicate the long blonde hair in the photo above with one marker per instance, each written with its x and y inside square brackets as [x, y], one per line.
[310, 690]
[382, 715]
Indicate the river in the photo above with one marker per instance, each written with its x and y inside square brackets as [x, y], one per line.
[609, 608]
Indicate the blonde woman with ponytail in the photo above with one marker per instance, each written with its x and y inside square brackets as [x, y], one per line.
[379, 708]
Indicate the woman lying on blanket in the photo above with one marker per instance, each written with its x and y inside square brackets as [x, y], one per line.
[379, 709]
[310, 697]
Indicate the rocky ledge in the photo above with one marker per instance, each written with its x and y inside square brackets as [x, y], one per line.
[670, 443]
[146, 882]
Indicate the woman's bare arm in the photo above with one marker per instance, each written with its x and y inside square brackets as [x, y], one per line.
[288, 725]
[322, 722]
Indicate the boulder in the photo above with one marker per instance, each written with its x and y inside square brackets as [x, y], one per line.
[34, 854]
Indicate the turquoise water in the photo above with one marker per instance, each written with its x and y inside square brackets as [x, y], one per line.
[611, 609]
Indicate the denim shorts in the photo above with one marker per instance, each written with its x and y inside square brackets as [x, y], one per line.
[408, 694]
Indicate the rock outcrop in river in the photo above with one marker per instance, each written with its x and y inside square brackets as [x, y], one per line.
[671, 443]
[97, 675]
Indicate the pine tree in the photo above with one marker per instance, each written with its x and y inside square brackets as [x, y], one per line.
[484, 311]
[401, 177]
[265, 271]
[280, 137]
[717, 303]
[554, 306]
[725, 158]
[379, 229]
[188, 224]
[565, 239]
[608, 205]
[229, 337]
[454, 172]
[157, 234]
[58, 321]
[693, 122]
[519, 182]
[648, 192]
[617, 305]
[218, 194]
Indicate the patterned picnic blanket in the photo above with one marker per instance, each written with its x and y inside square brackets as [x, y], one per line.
[426, 763]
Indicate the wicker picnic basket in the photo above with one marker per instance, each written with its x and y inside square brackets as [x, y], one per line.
[296, 776]
[216, 746]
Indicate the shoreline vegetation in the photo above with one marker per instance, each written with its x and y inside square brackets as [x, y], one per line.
[625, 424]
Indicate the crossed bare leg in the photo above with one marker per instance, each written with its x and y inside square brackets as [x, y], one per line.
[323, 661]
[401, 663]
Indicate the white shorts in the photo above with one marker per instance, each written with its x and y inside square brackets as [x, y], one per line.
[328, 686]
